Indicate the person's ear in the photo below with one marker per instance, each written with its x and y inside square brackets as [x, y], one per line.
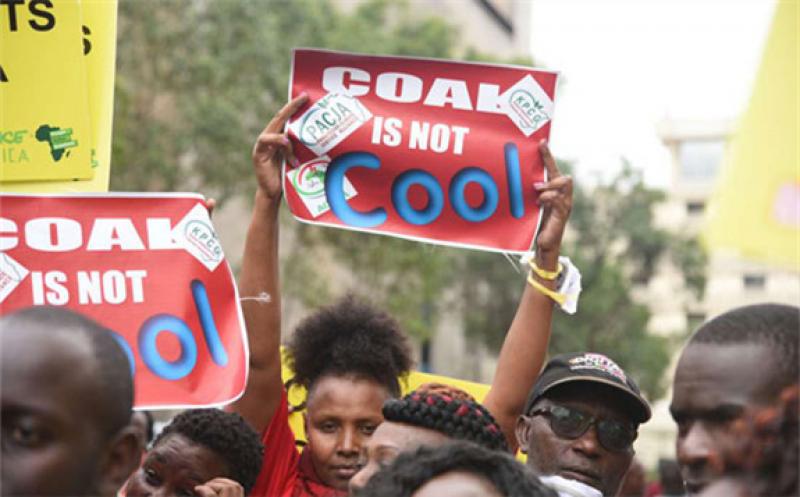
[120, 459]
[523, 432]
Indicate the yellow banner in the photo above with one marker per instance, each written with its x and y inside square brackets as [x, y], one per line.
[96, 31]
[45, 126]
[756, 207]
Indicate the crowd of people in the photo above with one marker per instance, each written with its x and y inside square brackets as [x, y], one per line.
[67, 393]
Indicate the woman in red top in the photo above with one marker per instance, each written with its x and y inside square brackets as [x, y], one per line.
[340, 402]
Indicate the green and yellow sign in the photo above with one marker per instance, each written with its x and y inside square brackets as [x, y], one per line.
[56, 94]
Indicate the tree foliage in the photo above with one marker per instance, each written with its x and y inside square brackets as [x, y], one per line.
[614, 241]
[196, 82]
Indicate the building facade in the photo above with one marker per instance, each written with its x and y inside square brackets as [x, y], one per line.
[697, 150]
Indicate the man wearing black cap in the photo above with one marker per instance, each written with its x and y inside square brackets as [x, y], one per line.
[581, 420]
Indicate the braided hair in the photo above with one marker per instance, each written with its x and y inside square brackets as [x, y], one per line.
[225, 433]
[450, 411]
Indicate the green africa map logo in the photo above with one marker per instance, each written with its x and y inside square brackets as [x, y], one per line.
[59, 140]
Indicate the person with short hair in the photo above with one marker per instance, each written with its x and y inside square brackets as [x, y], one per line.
[736, 362]
[67, 392]
[456, 469]
[580, 422]
[204, 452]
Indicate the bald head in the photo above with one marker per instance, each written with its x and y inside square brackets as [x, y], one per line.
[66, 392]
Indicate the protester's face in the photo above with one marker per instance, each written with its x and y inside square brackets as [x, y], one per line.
[457, 484]
[714, 386]
[175, 467]
[51, 441]
[583, 459]
[343, 413]
[388, 441]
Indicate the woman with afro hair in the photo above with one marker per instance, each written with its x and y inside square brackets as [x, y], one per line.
[348, 355]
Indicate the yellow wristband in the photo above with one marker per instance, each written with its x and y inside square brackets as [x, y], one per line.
[559, 298]
[545, 274]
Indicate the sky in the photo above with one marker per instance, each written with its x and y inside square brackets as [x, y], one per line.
[625, 65]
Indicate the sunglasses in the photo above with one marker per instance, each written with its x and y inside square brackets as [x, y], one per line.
[569, 423]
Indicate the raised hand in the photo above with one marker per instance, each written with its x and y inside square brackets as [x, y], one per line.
[272, 147]
[555, 197]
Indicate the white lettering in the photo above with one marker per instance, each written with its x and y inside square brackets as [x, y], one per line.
[68, 234]
[137, 288]
[392, 137]
[399, 87]
[114, 287]
[440, 138]
[89, 288]
[449, 91]
[159, 234]
[408, 88]
[110, 232]
[489, 99]
[333, 80]
[459, 133]
[419, 135]
[10, 227]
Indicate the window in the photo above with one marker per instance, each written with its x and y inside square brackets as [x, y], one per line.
[754, 281]
[695, 208]
[700, 159]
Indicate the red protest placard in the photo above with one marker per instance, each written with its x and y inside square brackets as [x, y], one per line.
[439, 151]
[149, 267]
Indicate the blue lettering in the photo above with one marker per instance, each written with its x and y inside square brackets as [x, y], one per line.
[459, 202]
[515, 200]
[148, 334]
[334, 190]
[400, 197]
[203, 306]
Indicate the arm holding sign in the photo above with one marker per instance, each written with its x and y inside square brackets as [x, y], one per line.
[524, 349]
[259, 278]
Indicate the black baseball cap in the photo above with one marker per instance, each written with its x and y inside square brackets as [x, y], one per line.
[589, 367]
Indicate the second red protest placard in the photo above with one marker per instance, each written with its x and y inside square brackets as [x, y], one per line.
[439, 151]
[147, 266]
